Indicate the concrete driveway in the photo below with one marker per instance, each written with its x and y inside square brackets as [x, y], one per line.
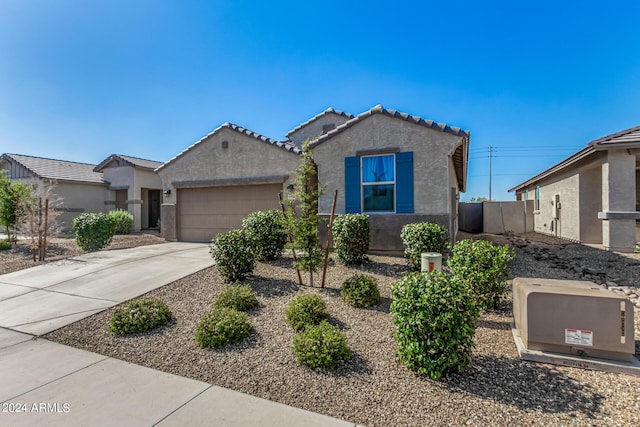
[44, 298]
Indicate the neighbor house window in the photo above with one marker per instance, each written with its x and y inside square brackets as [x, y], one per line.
[378, 183]
[537, 202]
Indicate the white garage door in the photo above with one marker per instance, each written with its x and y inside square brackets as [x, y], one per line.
[204, 212]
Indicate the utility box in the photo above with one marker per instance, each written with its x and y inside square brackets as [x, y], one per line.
[573, 317]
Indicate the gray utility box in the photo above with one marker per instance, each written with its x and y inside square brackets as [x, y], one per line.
[573, 317]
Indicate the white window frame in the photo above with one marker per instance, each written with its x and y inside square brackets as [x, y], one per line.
[368, 184]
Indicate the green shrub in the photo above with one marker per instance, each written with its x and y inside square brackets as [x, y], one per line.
[240, 298]
[351, 238]
[139, 316]
[360, 291]
[305, 310]
[93, 231]
[421, 237]
[267, 232]
[484, 267]
[222, 326]
[121, 221]
[321, 346]
[233, 255]
[435, 318]
[5, 245]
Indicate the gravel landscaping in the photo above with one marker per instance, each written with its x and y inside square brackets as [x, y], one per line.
[373, 388]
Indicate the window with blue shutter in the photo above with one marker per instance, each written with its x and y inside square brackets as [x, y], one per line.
[379, 183]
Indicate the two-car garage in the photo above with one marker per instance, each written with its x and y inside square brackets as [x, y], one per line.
[205, 211]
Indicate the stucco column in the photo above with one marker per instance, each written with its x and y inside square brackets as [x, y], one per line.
[134, 204]
[619, 201]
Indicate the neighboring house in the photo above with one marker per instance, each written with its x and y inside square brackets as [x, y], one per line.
[136, 186]
[86, 187]
[396, 167]
[591, 196]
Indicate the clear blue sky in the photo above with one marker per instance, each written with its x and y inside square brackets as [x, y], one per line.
[80, 80]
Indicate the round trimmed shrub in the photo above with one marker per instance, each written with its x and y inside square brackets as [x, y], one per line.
[435, 317]
[321, 346]
[305, 310]
[240, 298]
[267, 232]
[5, 245]
[121, 221]
[351, 238]
[421, 237]
[93, 231]
[484, 267]
[222, 326]
[360, 291]
[139, 316]
[233, 255]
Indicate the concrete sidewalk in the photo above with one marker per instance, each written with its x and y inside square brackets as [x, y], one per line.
[46, 383]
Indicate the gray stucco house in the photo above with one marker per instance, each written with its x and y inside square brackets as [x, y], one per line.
[396, 167]
[591, 196]
[117, 182]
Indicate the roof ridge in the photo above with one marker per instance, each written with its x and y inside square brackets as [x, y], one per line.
[614, 135]
[379, 109]
[137, 158]
[329, 110]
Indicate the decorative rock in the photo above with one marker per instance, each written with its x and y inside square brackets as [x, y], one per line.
[611, 283]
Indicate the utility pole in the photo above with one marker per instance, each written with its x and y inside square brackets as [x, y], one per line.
[490, 156]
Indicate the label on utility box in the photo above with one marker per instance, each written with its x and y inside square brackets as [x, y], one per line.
[578, 337]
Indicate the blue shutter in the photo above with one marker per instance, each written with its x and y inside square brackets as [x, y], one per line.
[352, 184]
[404, 182]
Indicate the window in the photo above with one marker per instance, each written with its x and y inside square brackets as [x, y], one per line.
[367, 190]
[378, 183]
[537, 202]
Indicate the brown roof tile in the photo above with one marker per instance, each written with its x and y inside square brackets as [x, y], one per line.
[61, 170]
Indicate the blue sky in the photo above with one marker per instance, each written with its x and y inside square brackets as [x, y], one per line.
[80, 80]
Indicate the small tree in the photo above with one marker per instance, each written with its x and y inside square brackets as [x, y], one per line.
[12, 196]
[302, 214]
[38, 217]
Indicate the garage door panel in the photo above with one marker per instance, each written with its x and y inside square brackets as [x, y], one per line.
[204, 212]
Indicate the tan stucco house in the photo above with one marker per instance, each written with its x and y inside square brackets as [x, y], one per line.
[396, 167]
[118, 182]
[591, 196]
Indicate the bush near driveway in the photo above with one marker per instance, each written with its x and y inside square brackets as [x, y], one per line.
[93, 231]
[139, 316]
[322, 346]
[239, 297]
[484, 267]
[222, 326]
[421, 237]
[266, 229]
[435, 316]
[233, 254]
[121, 221]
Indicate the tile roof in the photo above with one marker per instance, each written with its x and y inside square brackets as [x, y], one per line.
[62, 170]
[329, 110]
[379, 109]
[131, 161]
[622, 139]
[285, 145]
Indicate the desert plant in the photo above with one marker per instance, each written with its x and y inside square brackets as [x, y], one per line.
[305, 310]
[435, 317]
[93, 231]
[321, 345]
[233, 255]
[240, 298]
[222, 326]
[5, 245]
[268, 234]
[351, 238]
[121, 221]
[302, 214]
[484, 267]
[12, 197]
[360, 291]
[421, 237]
[139, 316]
